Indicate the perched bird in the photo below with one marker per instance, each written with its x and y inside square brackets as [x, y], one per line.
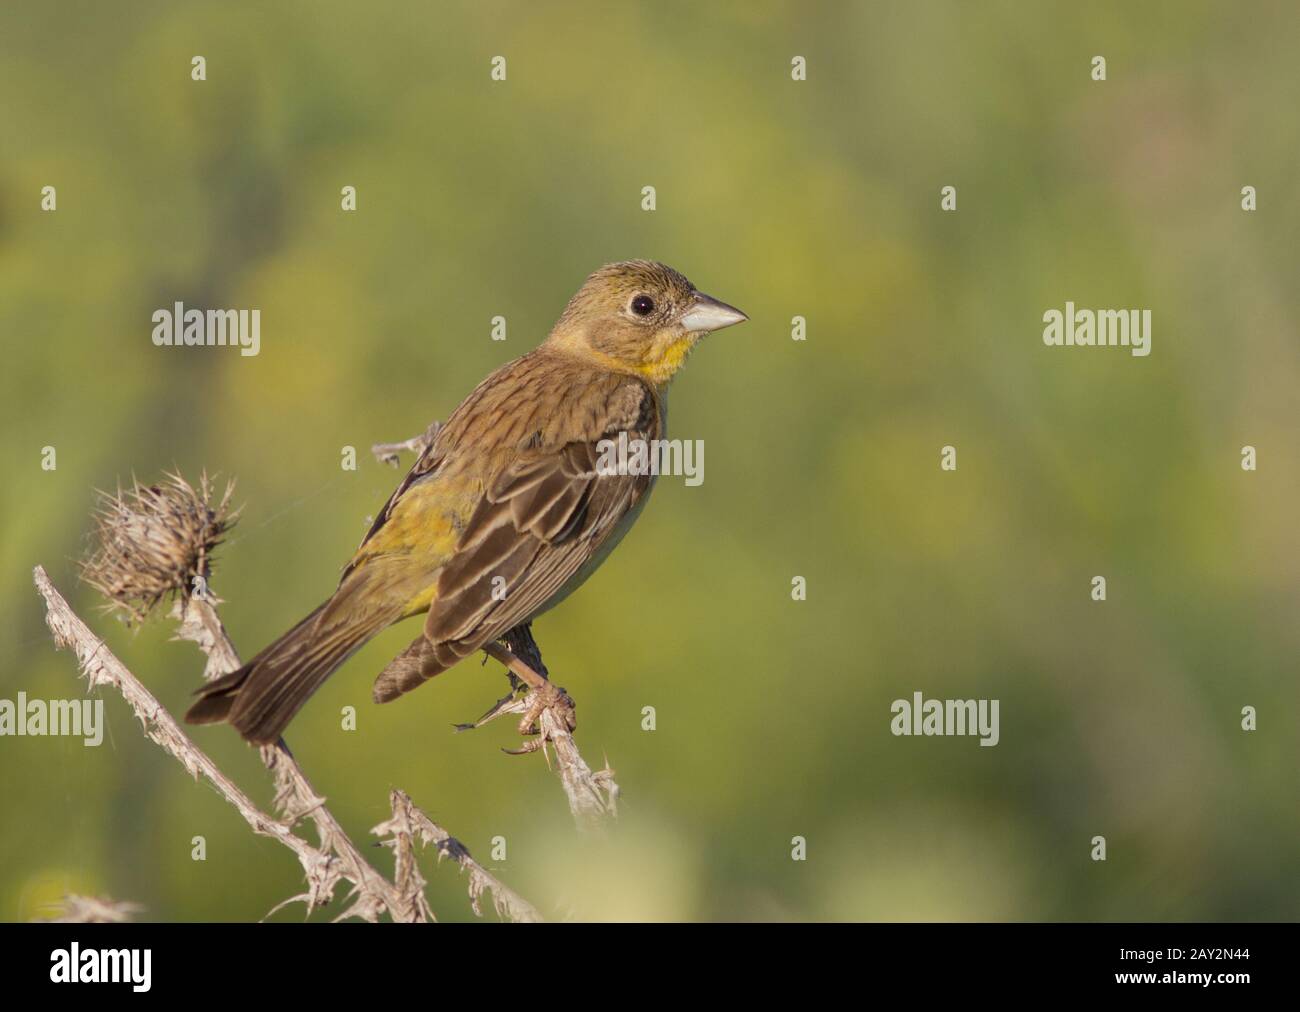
[505, 512]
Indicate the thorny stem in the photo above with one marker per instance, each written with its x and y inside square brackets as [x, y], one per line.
[337, 858]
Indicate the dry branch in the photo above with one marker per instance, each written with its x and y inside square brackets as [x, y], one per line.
[391, 453]
[337, 859]
[409, 824]
[101, 667]
[76, 909]
[592, 795]
[295, 798]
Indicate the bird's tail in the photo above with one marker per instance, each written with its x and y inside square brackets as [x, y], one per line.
[261, 698]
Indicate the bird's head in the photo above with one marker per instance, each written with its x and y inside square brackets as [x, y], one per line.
[641, 317]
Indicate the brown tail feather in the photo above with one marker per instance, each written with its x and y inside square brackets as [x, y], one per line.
[262, 697]
[412, 667]
[216, 698]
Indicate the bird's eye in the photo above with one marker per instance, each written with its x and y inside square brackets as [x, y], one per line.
[643, 305]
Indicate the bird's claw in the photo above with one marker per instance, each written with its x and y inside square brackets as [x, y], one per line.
[527, 748]
[549, 697]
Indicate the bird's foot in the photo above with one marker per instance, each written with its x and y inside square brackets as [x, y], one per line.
[544, 696]
[549, 697]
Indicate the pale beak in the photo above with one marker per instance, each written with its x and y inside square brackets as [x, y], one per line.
[707, 313]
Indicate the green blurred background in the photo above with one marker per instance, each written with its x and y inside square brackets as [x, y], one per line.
[819, 199]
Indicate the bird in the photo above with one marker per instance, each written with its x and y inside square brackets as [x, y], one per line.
[506, 510]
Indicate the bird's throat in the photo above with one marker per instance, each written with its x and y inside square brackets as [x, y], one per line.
[662, 368]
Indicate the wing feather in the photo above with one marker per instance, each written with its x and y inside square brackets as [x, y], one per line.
[544, 513]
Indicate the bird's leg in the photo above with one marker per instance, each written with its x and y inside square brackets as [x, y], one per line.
[519, 641]
[513, 701]
[518, 651]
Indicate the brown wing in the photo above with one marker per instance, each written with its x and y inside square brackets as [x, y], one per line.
[547, 518]
[474, 428]
[546, 515]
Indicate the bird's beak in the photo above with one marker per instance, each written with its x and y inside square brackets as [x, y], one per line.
[707, 313]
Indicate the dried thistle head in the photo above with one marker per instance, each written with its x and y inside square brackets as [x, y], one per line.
[155, 541]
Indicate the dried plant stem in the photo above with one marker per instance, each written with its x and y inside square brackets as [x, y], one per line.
[337, 858]
[294, 796]
[593, 796]
[75, 909]
[409, 824]
[101, 667]
[390, 453]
